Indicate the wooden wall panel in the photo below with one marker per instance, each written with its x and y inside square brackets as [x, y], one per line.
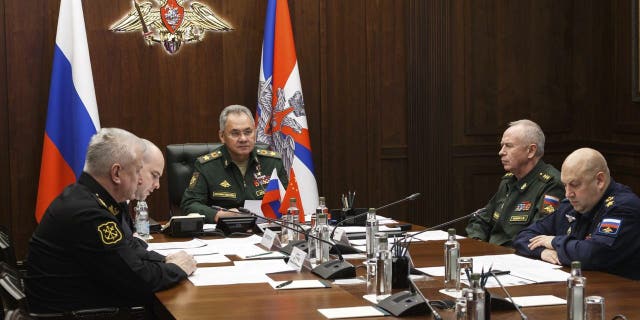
[5, 184]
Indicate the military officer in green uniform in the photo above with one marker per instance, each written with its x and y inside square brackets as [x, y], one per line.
[530, 190]
[233, 173]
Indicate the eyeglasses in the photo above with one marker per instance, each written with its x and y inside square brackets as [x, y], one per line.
[235, 134]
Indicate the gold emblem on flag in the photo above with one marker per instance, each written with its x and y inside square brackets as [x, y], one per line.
[168, 22]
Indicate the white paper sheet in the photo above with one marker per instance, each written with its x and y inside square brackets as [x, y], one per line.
[536, 301]
[263, 266]
[351, 312]
[433, 235]
[299, 284]
[226, 275]
[195, 243]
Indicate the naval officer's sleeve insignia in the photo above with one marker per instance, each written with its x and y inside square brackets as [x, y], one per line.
[194, 179]
[109, 233]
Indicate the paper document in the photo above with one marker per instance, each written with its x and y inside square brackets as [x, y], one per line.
[352, 312]
[195, 243]
[226, 275]
[263, 266]
[299, 284]
[536, 301]
[433, 235]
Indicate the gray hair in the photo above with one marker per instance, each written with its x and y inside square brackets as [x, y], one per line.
[148, 149]
[234, 108]
[109, 146]
[532, 134]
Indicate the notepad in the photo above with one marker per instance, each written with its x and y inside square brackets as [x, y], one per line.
[352, 312]
[537, 301]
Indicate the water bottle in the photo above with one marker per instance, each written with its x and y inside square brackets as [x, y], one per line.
[575, 292]
[318, 250]
[451, 255]
[383, 267]
[371, 230]
[142, 220]
[285, 232]
[475, 299]
[294, 218]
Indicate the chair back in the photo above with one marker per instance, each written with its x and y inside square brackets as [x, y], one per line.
[180, 161]
[7, 254]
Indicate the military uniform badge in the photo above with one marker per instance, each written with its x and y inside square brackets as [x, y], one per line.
[225, 184]
[168, 22]
[609, 201]
[194, 179]
[609, 226]
[523, 206]
[109, 233]
[549, 204]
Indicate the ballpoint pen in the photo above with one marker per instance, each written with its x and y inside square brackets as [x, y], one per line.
[284, 284]
[258, 255]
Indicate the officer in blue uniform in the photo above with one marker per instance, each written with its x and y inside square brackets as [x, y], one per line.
[598, 223]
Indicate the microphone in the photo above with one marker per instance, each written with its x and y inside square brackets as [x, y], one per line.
[409, 198]
[444, 224]
[301, 244]
[510, 301]
[336, 269]
[406, 303]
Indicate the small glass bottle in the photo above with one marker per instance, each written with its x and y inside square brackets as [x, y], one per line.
[294, 218]
[371, 230]
[383, 267]
[451, 255]
[323, 232]
[142, 220]
[575, 292]
[476, 299]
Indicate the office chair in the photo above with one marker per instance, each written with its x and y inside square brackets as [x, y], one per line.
[6, 249]
[180, 161]
[15, 306]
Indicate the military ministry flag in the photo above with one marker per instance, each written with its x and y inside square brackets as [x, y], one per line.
[280, 115]
[272, 199]
[72, 114]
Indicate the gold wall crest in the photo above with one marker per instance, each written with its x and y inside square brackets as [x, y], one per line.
[169, 23]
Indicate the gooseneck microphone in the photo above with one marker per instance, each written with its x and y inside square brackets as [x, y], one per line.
[335, 269]
[522, 315]
[409, 198]
[444, 224]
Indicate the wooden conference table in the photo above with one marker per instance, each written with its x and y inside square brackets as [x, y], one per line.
[260, 301]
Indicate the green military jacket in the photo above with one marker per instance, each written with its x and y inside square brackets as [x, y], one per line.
[217, 180]
[517, 204]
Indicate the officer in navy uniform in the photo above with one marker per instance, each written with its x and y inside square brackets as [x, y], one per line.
[79, 257]
[530, 190]
[233, 173]
[597, 224]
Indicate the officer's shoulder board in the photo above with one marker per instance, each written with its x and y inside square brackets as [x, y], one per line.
[268, 153]
[545, 177]
[210, 156]
[507, 175]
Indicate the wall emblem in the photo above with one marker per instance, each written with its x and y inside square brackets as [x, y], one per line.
[169, 23]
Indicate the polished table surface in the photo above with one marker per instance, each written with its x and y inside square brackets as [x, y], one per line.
[260, 301]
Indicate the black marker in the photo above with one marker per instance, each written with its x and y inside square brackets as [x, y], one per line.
[500, 272]
[284, 284]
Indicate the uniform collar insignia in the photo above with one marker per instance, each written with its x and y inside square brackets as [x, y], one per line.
[570, 218]
[609, 201]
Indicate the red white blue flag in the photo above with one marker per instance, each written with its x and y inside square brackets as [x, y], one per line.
[280, 114]
[272, 199]
[72, 114]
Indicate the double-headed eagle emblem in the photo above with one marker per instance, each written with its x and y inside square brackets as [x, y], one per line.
[169, 23]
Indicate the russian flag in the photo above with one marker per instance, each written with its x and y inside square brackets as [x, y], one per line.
[72, 114]
[272, 199]
[280, 115]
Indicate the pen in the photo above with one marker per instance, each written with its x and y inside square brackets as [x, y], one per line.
[500, 272]
[258, 255]
[284, 284]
